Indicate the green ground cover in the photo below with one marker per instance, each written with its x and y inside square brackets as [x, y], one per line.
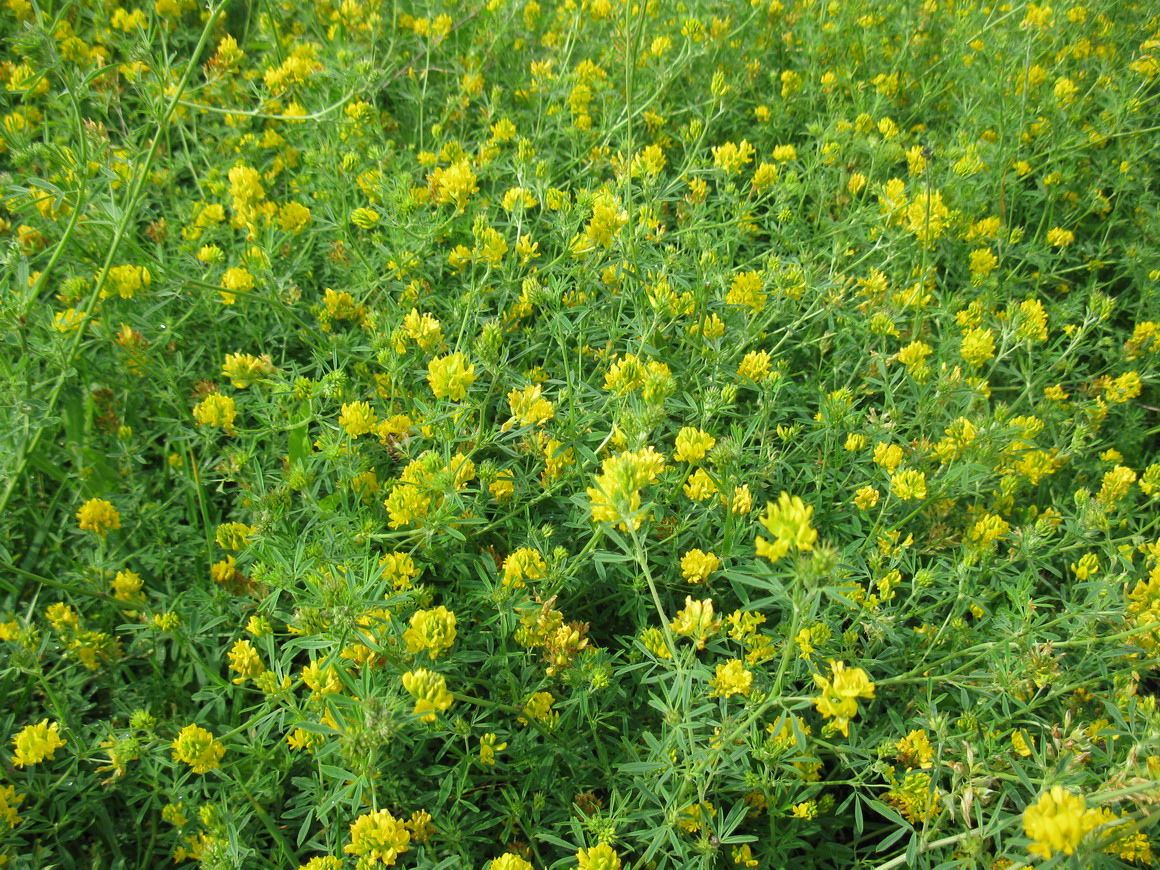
[593, 435]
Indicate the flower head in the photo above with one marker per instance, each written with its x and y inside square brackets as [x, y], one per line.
[601, 857]
[216, 410]
[98, 515]
[197, 747]
[378, 837]
[696, 620]
[1058, 822]
[732, 679]
[789, 522]
[693, 444]
[450, 376]
[839, 698]
[430, 692]
[431, 630]
[35, 743]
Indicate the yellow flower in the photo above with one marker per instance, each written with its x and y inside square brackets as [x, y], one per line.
[450, 376]
[1060, 238]
[245, 661]
[754, 366]
[696, 621]
[235, 280]
[1032, 321]
[455, 184]
[693, 444]
[1116, 484]
[889, 456]
[731, 158]
[98, 515]
[539, 708]
[168, 621]
[68, 320]
[700, 486]
[9, 800]
[423, 329]
[915, 749]
[742, 502]
[731, 679]
[528, 407]
[431, 630]
[653, 640]
[927, 216]
[430, 692]
[982, 263]
[322, 862]
[1057, 822]
[988, 529]
[125, 281]
[743, 855]
[197, 747]
[1126, 386]
[978, 346]
[488, 747]
[839, 698]
[378, 837]
[293, 217]
[1022, 742]
[321, 679]
[406, 504]
[365, 218]
[616, 497]
[908, 485]
[696, 565]
[357, 418]
[35, 743]
[913, 356]
[510, 861]
[866, 498]
[1088, 564]
[747, 289]
[244, 369]
[127, 585]
[233, 536]
[216, 410]
[400, 569]
[523, 564]
[601, 857]
[789, 522]
[695, 817]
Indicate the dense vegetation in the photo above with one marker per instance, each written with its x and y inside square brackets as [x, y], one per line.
[595, 434]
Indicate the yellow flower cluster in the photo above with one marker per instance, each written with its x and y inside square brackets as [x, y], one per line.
[36, 743]
[696, 620]
[731, 679]
[1058, 822]
[789, 522]
[98, 515]
[432, 631]
[599, 857]
[198, 748]
[378, 837]
[697, 565]
[839, 697]
[523, 564]
[529, 407]
[216, 410]
[429, 691]
[450, 376]
[615, 497]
